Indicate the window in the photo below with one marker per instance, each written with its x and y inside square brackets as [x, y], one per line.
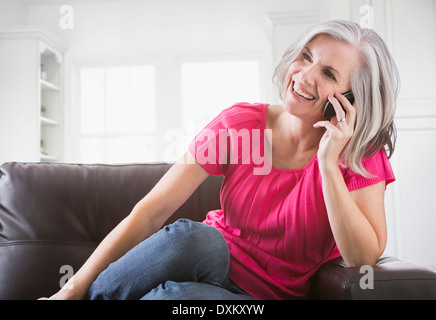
[118, 118]
[210, 87]
[117, 114]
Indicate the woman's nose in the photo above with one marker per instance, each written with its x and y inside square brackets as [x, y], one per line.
[307, 76]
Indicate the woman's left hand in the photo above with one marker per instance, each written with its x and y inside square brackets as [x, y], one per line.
[339, 129]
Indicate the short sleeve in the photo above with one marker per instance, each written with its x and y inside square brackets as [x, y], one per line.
[210, 147]
[378, 165]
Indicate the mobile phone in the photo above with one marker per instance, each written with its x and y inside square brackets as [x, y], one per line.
[329, 110]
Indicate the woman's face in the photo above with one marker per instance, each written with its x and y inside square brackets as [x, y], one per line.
[323, 67]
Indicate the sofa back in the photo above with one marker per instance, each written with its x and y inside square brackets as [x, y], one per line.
[52, 217]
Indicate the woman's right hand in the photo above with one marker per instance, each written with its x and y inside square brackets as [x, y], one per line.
[60, 295]
[68, 292]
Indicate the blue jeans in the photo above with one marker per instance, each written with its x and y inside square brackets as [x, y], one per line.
[185, 260]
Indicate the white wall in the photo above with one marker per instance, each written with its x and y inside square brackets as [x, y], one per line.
[412, 29]
[172, 28]
[13, 13]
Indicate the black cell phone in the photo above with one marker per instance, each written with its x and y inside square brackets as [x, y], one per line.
[329, 110]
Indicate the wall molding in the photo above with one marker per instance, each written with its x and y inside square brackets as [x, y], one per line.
[274, 19]
[416, 107]
[28, 32]
[415, 120]
[416, 114]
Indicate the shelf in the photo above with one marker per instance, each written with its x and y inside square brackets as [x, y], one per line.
[49, 99]
[48, 122]
[34, 56]
[45, 85]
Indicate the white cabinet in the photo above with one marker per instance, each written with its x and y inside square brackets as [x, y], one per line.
[31, 95]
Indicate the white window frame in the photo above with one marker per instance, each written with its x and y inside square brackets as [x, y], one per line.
[218, 56]
[168, 88]
[74, 134]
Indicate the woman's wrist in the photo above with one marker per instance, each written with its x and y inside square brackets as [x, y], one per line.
[328, 165]
[72, 290]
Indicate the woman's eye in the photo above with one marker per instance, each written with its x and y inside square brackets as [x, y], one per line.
[306, 57]
[329, 75]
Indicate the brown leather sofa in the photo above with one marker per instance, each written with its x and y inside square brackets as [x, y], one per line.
[52, 216]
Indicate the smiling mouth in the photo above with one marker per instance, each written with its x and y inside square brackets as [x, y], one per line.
[300, 93]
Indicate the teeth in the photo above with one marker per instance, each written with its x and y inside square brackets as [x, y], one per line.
[302, 94]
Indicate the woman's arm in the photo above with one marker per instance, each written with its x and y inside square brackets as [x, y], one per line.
[146, 218]
[357, 218]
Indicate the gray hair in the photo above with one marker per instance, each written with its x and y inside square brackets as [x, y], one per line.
[375, 85]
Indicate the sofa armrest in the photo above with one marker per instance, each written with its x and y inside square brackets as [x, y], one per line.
[392, 279]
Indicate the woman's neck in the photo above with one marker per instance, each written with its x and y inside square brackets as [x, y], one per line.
[294, 141]
[299, 133]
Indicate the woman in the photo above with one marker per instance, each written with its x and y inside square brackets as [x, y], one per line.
[322, 198]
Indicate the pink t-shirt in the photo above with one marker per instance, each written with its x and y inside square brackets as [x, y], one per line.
[274, 220]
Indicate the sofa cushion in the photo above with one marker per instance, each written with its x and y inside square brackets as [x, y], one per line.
[32, 269]
[390, 278]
